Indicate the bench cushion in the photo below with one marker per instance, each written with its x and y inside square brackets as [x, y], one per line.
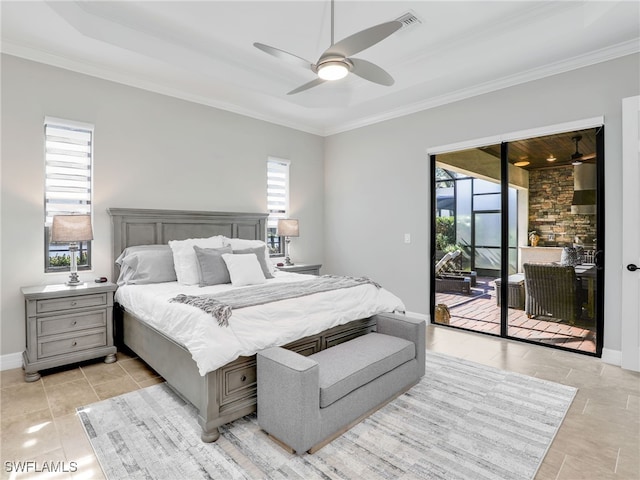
[348, 366]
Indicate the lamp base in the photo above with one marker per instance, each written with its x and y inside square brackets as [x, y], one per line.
[287, 260]
[73, 281]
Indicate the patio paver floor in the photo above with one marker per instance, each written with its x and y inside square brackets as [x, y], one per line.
[480, 312]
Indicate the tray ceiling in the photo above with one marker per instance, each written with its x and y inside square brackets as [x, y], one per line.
[203, 51]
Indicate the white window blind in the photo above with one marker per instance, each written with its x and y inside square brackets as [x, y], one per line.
[277, 200]
[277, 191]
[68, 176]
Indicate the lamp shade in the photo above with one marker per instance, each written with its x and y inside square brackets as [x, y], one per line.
[71, 228]
[288, 227]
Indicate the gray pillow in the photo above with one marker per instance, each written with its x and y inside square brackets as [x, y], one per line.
[211, 267]
[144, 264]
[259, 252]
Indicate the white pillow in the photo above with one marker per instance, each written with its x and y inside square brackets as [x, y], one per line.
[241, 243]
[244, 269]
[185, 260]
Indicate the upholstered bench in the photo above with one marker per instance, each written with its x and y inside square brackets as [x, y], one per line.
[305, 402]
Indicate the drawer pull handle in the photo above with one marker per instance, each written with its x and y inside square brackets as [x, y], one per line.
[74, 303]
[243, 378]
[74, 343]
[75, 322]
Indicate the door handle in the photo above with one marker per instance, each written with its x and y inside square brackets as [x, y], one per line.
[632, 267]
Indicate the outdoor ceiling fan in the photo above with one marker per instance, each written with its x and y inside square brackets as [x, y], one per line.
[336, 61]
[577, 158]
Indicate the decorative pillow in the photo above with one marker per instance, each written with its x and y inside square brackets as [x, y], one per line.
[569, 257]
[144, 264]
[259, 253]
[244, 269]
[241, 244]
[184, 257]
[211, 267]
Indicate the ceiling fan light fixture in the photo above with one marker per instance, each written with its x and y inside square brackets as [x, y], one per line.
[551, 158]
[333, 70]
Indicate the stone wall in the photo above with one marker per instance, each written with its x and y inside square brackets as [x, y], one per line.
[550, 195]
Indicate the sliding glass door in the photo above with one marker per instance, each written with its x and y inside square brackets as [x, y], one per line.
[467, 256]
[517, 241]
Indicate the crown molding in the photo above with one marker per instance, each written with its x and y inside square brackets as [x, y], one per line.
[598, 56]
[592, 58]
[102, 73]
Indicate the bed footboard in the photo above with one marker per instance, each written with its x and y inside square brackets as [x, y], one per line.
[229, 392]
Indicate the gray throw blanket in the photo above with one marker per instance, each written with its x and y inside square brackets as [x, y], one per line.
[220, 305]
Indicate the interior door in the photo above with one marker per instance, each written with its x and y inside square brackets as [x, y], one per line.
[631, 233]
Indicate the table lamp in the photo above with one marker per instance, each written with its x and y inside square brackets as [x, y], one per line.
[287, 228]
[72, 229]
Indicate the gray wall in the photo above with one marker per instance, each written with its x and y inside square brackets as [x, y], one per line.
[151, 151]
[377, 177]
[356, 193]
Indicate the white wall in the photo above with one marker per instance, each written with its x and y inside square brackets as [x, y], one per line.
[377, 177]
[151, 151]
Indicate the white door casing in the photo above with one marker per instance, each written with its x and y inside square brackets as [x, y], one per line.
[630, 233]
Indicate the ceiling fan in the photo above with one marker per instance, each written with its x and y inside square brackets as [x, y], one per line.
[577, 158]
[336, 61]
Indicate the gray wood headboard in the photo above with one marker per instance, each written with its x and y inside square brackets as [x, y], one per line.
[133, 226]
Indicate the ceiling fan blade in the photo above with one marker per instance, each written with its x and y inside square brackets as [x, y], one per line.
[306, 86]
[362, 40]
[370, 71]
[281, 54]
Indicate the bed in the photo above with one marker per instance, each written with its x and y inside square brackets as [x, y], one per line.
[227, 392]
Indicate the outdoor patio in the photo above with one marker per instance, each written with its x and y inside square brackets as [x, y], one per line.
[479, 311]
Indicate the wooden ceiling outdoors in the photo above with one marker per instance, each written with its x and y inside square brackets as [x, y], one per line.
[537, 150]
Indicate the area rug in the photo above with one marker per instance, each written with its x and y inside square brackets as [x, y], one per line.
[462, 421]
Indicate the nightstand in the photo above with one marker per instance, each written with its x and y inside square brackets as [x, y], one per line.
[66, 324]
[310, 269]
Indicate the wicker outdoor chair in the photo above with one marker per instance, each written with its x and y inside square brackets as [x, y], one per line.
[553, 291]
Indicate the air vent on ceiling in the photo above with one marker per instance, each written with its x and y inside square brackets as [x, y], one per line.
[409, 19]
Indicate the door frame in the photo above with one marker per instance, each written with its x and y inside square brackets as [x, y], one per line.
[504, 139]
[630, 301]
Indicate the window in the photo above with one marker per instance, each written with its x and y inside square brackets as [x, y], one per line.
[68, 179]
[277, 202]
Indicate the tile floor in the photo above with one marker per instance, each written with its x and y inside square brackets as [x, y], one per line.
[599, 438]
[38, 420]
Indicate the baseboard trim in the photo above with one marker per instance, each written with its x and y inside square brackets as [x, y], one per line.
[612, 357]
[11, 360]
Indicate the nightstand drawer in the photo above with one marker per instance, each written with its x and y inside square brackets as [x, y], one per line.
[69, 344]
[72, 322]
[80, 301]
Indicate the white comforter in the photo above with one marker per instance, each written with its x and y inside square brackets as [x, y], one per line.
[252, 328]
